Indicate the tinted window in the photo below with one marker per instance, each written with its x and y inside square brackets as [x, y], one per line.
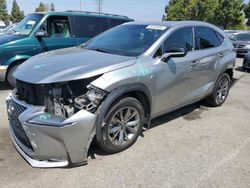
[180, 38]
[115, 22]
[220, 37]
[206, 38]
[89, 26]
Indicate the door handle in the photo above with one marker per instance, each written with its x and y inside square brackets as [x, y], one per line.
[220, 55]
[195, 62]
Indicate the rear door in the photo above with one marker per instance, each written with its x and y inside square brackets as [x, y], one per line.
[208, 52]
[59, 30]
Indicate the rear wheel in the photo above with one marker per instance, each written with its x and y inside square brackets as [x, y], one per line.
[220, 91]
[124, 122]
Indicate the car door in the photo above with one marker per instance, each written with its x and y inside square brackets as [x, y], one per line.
[176, 80]
[207, 52]
[59, 34]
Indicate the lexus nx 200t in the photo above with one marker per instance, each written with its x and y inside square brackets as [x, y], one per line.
[112, 85]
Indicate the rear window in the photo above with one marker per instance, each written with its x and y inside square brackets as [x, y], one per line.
[90, 26]
[220, 37]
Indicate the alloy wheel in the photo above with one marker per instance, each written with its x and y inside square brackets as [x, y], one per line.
[222, 90]
[123, 126]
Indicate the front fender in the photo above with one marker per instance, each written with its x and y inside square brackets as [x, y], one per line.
[114, 95]
[17, 58]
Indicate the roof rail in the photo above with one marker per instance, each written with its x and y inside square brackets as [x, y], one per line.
[97, 13]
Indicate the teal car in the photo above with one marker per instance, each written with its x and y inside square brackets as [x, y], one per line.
[41, 32]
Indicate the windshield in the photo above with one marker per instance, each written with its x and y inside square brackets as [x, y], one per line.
[241, 37]
[128, 40]
[27, 24]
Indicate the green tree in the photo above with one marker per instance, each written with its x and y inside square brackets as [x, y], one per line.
[190, 10]
[247, 13]
[41, 8]
[16, 14]
[52, 7]
[229, 14]
[3, 11]
[225, 13]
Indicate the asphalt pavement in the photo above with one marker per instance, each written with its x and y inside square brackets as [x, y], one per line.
[196, 146]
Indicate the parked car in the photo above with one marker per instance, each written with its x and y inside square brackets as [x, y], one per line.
[241, 42]
[2, 26]
[230, 33]
[9, 29]
[246, 62]
[112, 85]
[41, 32]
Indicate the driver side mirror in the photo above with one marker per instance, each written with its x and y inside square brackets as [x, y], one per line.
[41, 34]
[174, 52]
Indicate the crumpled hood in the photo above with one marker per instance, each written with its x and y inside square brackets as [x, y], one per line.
[69, 64]
[8, 38]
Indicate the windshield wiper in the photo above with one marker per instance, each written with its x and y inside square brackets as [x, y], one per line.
[100, 50]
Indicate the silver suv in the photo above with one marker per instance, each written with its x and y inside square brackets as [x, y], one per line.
[110, 87]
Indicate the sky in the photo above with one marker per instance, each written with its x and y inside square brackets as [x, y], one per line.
[140, 10]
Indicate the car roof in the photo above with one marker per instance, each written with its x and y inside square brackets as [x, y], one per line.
[84, 13]
[179, 24]
[173, 23]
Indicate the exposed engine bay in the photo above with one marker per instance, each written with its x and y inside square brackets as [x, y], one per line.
[62, 99]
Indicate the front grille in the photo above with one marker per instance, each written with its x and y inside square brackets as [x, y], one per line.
[14, 110]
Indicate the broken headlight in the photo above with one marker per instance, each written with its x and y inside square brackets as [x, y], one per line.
[91, 100]
[47, 120]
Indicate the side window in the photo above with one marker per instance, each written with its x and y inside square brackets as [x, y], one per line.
[114, 22]
[57, 26]
[206, 38]
[90, 26]
[180, 38]
[220, 37]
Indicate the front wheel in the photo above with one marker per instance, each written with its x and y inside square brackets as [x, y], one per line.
[124, 123]
[220, 91]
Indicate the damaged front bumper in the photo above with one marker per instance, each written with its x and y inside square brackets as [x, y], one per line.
[45, 140]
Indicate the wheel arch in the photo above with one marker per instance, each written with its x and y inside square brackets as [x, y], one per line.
[15, 61]
[230, 72]
[137, 91]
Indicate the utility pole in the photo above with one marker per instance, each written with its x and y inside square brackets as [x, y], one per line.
[81, 5]
[99, 6]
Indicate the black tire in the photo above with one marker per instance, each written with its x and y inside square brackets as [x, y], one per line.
[220, 91]
[115, 126]
[9, 78]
